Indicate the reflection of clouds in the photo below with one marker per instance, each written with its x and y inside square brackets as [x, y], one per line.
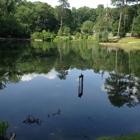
[69, 71]
[28, 77]
[51, 75]
[103, 88]
[77, 79]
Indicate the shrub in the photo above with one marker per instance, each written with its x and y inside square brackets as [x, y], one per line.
[3, 127]
[77, 35]
[69, 36]
[81, 36]
[60, 32]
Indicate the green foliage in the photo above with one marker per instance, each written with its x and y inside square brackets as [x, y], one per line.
[87, 27]
[24, 15]
[37, 35]
[81, 36]
[60, 32]
[102, 36]
[66, 30]
[104, 138]
[115, 29]
[85, 36]
[9, 26]
[77, 35]
[45, 36]
[44, 17]
[69, 36]
[22, 18]
[62, 13]
[98, 37]
[102, 24]
[136, 29]
[3, 127]
[131, 137]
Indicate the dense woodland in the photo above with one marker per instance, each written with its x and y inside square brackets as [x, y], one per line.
[21, 18]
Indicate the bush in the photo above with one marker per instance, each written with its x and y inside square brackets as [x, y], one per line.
[37, 35]
[45, 36]
[98, 37]
[85, 37]
[104, 36]
[81, 36]
[60, 32]
[77, 35]
[69, 36]
[66, 30]
[3, 127]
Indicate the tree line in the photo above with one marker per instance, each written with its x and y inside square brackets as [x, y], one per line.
[21, 18]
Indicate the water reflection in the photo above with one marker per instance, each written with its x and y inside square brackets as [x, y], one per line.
[50, 71]
[122, 89]
[63, 73]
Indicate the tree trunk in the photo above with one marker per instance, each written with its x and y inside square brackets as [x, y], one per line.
[124, 21]
[61, 22]
[132, 25]
[119, 25]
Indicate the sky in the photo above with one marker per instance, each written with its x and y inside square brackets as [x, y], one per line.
[79, 3]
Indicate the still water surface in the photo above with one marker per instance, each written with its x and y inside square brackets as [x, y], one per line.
[41, 96]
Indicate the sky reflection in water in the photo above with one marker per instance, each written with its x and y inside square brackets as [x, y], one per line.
[41, 106]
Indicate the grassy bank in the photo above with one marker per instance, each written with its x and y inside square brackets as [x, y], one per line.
[127, 43]
[131, 137]
[72, 38]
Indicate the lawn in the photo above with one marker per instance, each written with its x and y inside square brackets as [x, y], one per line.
[129, 40]
[131, 137]
[126, 43]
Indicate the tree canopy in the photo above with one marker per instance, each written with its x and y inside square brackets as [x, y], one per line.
[21, 18]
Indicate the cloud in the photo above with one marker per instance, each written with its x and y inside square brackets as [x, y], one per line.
[103, 88]
[51, 75]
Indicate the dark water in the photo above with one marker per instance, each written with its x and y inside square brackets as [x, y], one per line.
[42, 98]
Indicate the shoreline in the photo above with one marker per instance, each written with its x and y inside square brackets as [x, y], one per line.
[14, 39]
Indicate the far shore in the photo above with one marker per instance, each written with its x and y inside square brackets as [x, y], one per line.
[11, 39]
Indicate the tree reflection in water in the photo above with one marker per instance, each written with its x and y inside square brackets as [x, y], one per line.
[122, 89]
[63, 73]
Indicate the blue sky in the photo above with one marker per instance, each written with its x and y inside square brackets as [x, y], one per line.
[79, 3]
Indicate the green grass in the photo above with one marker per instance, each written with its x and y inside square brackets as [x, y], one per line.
[131, 137]
[126, 43]
[129, 40]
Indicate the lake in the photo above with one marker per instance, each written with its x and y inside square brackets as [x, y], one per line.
[68, 91]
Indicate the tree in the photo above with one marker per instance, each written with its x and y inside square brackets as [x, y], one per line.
[118, 3]
[115, 29]
[87, 27]
[44, 17]
[62, 8]
[123, 8]
[66, 30]
[24, 15]
[136, 26]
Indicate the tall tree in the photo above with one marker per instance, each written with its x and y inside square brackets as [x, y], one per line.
[63, 6]
[119, 3]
